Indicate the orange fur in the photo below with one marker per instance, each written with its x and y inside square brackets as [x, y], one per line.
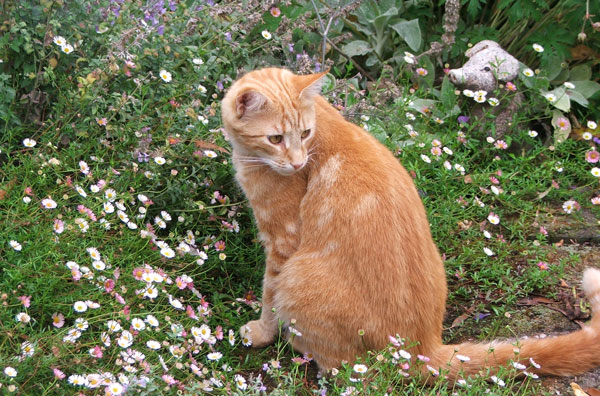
[347, 238]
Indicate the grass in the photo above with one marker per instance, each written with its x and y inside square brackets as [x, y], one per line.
[226, 281]
[138, 170]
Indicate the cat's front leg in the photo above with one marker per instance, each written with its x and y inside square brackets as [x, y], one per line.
[262, 332]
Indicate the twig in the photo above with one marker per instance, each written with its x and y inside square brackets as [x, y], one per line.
[325, 30]
[451, 16]
[359, 67]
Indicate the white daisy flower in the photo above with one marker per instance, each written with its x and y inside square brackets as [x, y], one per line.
[22, 317]
[83, 167]
[493, 218]
[29, 142]
[468, 93]
[538, 48]
[528, 73]
[67, 48]
[266, 34]
[15, 245]
[550, 97]
[167, 252]
[113, 326]
[80, 306]
[214, 356]
[59, 40]
[592, 125]
[409, 58]
[151, 320]
[240, 382]
[77, 380]
[48, 203]
[110, 194]
[138, 324]
[165, 75]
[115, 389]
[155, 345]
[80, 191]
[160, 160]
[108, 207]
[210, 154]
[532, 133]
[498, 381]
[360, 368]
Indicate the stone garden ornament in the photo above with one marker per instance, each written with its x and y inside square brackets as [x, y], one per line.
[487, 67]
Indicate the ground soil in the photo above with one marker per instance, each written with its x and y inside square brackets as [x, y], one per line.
[548, 316]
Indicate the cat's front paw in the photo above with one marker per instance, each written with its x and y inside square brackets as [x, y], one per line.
[258, 333]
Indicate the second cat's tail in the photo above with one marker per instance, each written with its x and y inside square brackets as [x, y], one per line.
[568, 354]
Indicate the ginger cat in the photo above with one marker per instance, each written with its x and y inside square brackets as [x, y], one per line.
[347, 238]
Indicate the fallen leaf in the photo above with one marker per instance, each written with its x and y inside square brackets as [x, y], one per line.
[535, 301]
[577, 390]
[460, 319]
[2, 194]
[564, 284]
[543, 194]
[559, 243]
[203, 144]
[593, 391]
[468, 179]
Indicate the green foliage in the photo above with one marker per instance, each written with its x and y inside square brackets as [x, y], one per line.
[128, 145]
[375, 25]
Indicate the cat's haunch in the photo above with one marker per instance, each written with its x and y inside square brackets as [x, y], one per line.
[347, 239]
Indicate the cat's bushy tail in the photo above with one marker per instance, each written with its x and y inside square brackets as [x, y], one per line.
[568, 354]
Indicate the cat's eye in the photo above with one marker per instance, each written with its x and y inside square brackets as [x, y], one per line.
[487, 68]
[275, 139]
[305, 133]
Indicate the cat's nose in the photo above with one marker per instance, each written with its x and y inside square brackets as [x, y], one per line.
[297, 166]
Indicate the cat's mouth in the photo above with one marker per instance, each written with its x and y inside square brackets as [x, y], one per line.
[288, 169]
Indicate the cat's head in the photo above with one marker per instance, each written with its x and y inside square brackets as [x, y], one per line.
[269, 117]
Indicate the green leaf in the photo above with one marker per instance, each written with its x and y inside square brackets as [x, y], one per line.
[580, 73]
[447, 95]
[410, 32]
[357, 47]
[586, 88]
[382, 20]
[562, 101]
[421, 105]
[553, 67]
[560, 135]
[578, 97]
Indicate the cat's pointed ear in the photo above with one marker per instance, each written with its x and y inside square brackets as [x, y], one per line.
[249, 102]
[310, 85]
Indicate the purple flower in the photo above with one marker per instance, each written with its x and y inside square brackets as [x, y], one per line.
[161, 30]
[291, 47]
[228, 36]
[172, 6]
[143, 157]
[317, 67]
[220, 85]
[463, 119]
[210, 2]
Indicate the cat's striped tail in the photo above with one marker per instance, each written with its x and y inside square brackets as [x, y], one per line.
[568, 354]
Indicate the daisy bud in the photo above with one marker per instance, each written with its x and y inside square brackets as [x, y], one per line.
[581, 37]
